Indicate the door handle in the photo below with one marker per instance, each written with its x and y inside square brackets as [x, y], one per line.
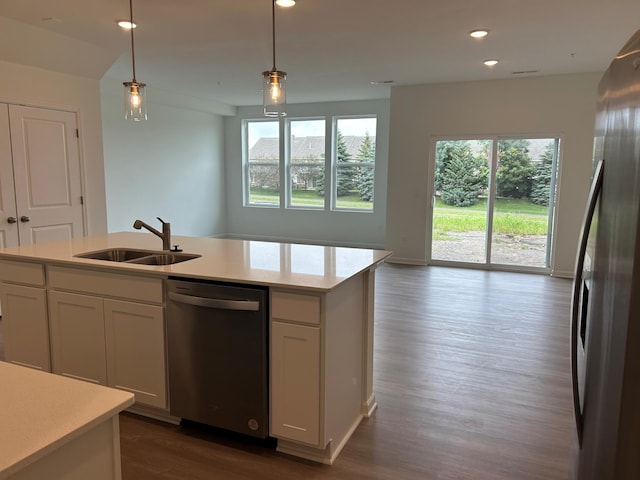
[596, 186]
[24, 219]
[219, 303]
[12, 220]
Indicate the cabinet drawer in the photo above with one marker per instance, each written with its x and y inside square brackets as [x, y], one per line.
[146, 289]
[21, 272]
[295, 307]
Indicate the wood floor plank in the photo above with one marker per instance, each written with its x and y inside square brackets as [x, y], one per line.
[472, 379]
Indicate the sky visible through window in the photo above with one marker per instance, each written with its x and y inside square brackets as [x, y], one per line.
[348, 127]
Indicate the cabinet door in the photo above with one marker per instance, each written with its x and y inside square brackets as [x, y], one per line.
[8, 229]
[46, 166]
[295, 382]
[25, 326]
[136, 350]
[77, 336]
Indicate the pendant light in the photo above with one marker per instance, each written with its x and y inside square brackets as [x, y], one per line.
[135, 105]
[274, 94]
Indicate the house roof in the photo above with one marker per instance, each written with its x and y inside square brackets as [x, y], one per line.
[303, 148]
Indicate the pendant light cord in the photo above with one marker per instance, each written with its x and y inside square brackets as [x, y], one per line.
[133, 55]
[273, 31]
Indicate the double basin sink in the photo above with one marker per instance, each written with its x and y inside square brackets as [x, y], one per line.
[140, 257]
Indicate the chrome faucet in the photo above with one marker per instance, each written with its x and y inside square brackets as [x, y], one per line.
[165, 235]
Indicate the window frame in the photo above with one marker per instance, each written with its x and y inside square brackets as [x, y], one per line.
[335, 166]
[289, 164]
[246, 165]
[285, 164]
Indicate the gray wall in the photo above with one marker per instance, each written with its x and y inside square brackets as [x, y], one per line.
[359, 229]
[556, 105]
[170, 166]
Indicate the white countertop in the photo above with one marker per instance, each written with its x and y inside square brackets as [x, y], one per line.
[312, 267]
[40, 412]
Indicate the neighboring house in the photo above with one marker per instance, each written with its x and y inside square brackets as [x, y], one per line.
[303, 148]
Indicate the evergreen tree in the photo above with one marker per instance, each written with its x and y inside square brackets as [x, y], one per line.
[319, 184]
[514, 169]
[365, 179]
[541, 179]
[345, 175]
[460, 176]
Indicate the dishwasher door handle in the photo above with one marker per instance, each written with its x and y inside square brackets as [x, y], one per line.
[219, 303]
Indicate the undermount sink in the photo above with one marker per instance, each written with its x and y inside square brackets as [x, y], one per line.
[164, 258]
[144, 257]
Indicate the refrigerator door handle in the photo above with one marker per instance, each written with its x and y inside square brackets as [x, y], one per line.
[596, 186]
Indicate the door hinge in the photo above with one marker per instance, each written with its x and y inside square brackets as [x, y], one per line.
[77, 133]
[81, 200]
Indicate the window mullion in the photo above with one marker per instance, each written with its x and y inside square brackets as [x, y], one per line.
[328, 164]
[283, 144]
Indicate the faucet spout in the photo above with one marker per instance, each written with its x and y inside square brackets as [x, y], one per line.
[165, 235]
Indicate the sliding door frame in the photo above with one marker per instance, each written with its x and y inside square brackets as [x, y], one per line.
[491, 197]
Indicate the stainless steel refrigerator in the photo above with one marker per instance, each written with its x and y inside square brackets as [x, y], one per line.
[605, 326]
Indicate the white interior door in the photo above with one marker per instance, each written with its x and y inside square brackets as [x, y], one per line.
[46, 164]
[8, 225]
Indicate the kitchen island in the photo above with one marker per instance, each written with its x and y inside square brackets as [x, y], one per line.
[56, 427]
[103, 321]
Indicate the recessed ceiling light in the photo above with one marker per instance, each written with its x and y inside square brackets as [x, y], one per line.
[491, 62]
[382, 82]
[481, 33]
[125, 24]
[285, 3]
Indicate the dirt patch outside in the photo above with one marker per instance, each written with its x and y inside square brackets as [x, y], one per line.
[525, 250]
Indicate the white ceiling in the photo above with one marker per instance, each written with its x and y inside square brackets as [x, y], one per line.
[330, 49]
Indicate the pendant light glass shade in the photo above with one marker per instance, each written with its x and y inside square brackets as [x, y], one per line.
[135, 99]
[274, 93]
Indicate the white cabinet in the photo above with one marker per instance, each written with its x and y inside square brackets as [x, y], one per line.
[295, 380]
[24, 317]
[118, 343]
[135, 348]
[317, 369]
[24, 323]
[77, 336]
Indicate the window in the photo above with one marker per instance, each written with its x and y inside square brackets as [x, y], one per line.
[307, 163]
[355, 154]
[262, 168]
[344, 181]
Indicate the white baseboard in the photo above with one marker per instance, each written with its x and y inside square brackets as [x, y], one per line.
[562, 274]
[326, 456]
[369, 406]
[155, 413]
[406, 260]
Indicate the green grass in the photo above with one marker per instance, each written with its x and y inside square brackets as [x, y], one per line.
[503, 205]
[511, 216]
[508, 223]
[307, 198]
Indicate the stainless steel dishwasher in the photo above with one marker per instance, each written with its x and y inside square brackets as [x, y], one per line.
[217, 355]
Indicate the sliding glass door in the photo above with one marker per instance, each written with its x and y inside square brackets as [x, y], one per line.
[493, 202]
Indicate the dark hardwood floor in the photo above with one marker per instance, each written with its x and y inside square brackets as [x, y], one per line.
[471, 377]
